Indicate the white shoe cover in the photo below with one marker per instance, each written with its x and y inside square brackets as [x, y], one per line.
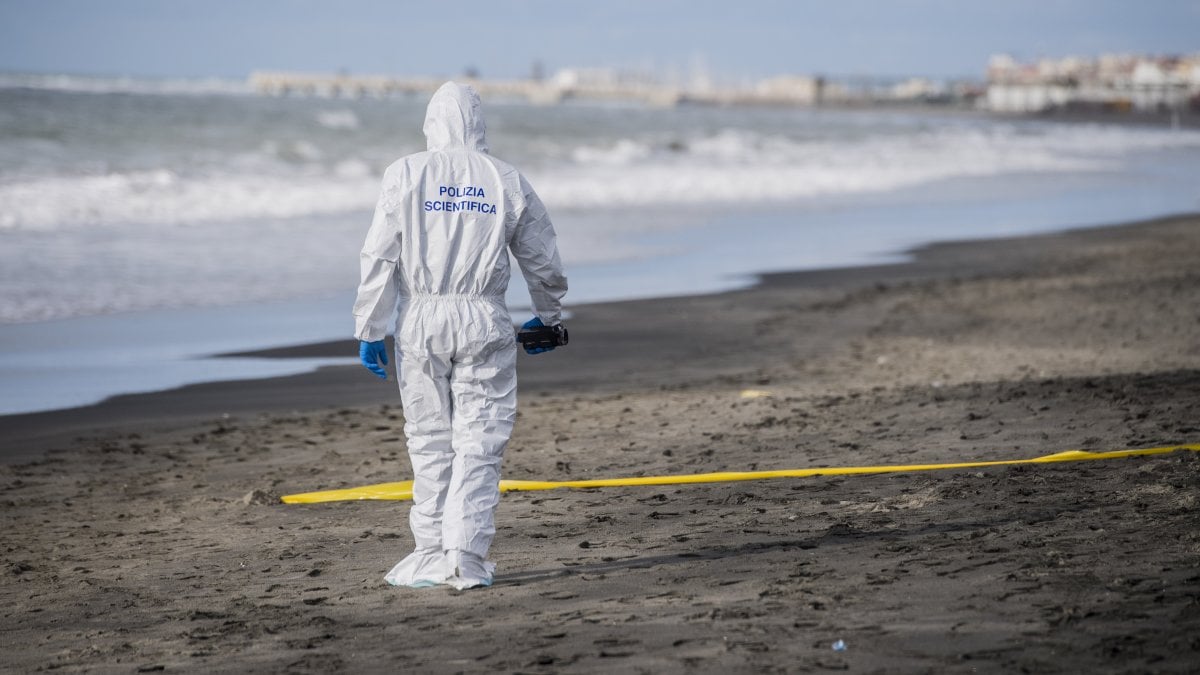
[423, 568]
[467, 570]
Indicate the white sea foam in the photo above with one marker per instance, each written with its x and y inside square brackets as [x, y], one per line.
[338, 119]
[161, 197]
[733, 166]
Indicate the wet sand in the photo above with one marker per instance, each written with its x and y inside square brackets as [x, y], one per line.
[147, 535]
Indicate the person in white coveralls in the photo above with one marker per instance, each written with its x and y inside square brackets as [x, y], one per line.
[437, 257]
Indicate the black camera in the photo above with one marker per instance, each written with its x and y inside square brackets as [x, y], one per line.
[546, 337]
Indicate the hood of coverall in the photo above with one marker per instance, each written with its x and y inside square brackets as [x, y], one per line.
[454, 119]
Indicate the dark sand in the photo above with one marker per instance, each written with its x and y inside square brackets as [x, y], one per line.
[147, 536]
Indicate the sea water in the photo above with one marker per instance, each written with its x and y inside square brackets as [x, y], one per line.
[146, 225]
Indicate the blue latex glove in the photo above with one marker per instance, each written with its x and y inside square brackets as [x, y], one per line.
[535, 323]
[372, 354]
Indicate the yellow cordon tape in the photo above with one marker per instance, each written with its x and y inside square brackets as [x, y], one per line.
[403, 489]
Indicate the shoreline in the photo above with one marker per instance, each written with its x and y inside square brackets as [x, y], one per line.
[28, 435]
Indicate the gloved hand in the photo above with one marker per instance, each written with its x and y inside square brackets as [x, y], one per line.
[535, 323]
[372, 354]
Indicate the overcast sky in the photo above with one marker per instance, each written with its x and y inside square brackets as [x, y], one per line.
[230, 38]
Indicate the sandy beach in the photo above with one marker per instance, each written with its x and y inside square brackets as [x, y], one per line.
[145, 534]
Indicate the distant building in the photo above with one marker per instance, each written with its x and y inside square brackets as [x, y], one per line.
[1110, 82]
[573, 78]
[799, 89]
[917, 89]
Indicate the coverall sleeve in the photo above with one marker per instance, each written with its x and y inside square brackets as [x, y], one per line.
[379, 264]
[536, 250]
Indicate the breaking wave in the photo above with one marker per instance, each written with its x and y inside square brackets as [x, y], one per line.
[732, 166]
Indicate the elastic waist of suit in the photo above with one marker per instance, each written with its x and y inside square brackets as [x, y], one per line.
[457, 297]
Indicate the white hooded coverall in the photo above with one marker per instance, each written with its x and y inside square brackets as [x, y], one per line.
[437, 252]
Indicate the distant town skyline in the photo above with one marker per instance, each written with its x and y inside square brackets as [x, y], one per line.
[752, 38]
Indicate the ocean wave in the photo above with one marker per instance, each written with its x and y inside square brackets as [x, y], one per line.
[738, 165]
[162, 197]
[731, 166]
